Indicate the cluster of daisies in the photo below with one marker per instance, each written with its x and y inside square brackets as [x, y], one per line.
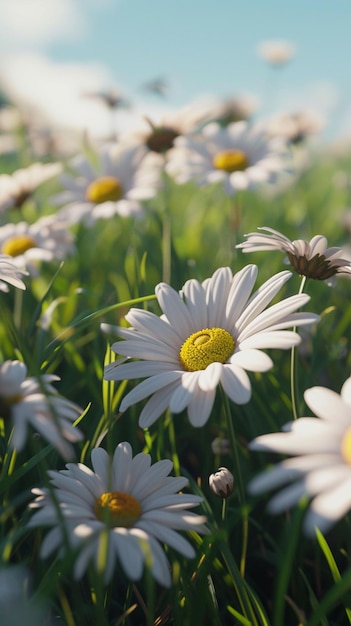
[209, 335]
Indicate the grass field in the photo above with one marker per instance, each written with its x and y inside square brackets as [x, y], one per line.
[251, 567]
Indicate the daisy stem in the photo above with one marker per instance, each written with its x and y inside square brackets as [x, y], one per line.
[238, 478]
[293, 366]
[166, 246]
[17, 311]
[234, 448]
[224, 509]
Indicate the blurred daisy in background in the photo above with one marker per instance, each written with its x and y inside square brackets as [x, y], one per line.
[116, 186]
[28, 244]
[296, 127]
[321, 463]
[29, 401]
[10, 273]
[159, 135]
[137, 504]
[276, 52]
[17, 188]
[238, 157]
[233, 109]
[308, 258]
[208, 335]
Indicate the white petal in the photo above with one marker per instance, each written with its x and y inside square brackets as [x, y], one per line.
[236, 384]
[196, 302]
[148, 387]
[121, 466]
[261, 298]
[217, 290]
[200, 407]
[287, 498]
[346, 391]
[327, 404]
[157, 404]
[182, 395]
[175, 310]
[252, 360]
[274, 314]
[129, 552]
[239, 294]
[210, 377]
[329, 507]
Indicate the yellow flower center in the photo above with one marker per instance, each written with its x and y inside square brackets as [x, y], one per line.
[104, 189]
[115, 508]
[206, 346]
[346, 447]
[18, 244]
[230, 161]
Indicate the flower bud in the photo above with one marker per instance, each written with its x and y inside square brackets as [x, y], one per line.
[222, 483]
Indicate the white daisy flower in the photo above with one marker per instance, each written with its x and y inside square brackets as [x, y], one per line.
[137, 503]
[321, 463]
[9, 273]
[159, 134]
[31, 401]
[296, 126]
[308, 258]
[117, 187]
[276, 52]
[46, 240]
[209, 334]
[234, 109]
[18, 187]
[239, 156]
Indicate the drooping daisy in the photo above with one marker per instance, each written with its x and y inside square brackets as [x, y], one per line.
[308, 258]
[46, 240]
[18, 187]
[136, 503]
[209, 334]
[9, 273]
[29, 401]
[320, 466]
[239, 156]
[116, 187]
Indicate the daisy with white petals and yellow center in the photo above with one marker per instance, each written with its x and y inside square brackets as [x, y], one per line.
[28, 244]
[239, 156]
[320, 466]
[209, 334]
[137, 503]
[117, 186]
[17, 188]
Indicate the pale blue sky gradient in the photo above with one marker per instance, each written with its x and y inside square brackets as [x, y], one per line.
[210, 47]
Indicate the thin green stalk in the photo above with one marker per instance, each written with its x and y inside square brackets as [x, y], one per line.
[234, 448]
[293, 366]
[166, 233]
[17, 310]
[239, 481]
[166, 247]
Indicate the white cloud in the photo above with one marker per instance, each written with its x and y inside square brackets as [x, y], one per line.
[34, 23]
[56, 90]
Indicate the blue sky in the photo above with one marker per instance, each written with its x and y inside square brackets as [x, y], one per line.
[200, 46]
